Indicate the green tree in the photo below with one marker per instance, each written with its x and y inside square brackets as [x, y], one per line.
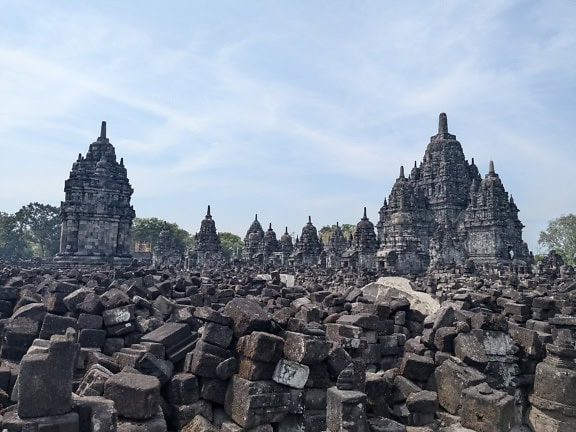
[147, 230]
[326, 231]
[561, 237]
[40, 224]
[13, 244]
[231, 244]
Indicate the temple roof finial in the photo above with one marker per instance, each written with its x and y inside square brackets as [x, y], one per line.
[491, 168]
[401, 171]
[365, 217]
[442, 124]
[270, 226]
[286, 231]
[103, 130]
[309, 219]
[208, 215]
[256, 217]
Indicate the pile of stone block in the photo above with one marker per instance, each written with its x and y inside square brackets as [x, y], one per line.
[142, 349]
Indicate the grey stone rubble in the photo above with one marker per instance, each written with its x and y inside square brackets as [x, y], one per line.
[148, 349]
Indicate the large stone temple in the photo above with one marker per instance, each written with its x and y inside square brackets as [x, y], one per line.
[96, 213]
[207, 250]
[445, 213]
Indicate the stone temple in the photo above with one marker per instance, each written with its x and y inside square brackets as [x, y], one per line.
[445, 213]
[96, 213]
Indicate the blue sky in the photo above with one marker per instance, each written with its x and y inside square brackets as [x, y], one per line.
[286, 108]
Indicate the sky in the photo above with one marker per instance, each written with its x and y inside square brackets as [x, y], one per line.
[288, 108]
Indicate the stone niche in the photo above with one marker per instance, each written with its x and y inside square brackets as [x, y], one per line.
[96, 213]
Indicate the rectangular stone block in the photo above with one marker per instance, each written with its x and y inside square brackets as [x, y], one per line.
[305, 349]
[451, 380]
[346, 411]
[291, 374]
[251, 404]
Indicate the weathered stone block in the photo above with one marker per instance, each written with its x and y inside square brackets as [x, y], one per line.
[135, 396]
[251, 403]
[183, 389]
[346, 411]
[451, 380]
[248, 316]
[305, 349]
[469, 349]
[45, 379]
[260, 346]
[416, 367]
[291, 374]
[217, 334]
[487, 410]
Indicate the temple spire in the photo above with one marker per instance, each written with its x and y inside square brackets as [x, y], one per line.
[286, 231]
[365, 217]
[443, 124]
[270, 226]
[401, 171]
[256, 217]
[491, 168]
[103, 130]
[208, 215]
[309, 219]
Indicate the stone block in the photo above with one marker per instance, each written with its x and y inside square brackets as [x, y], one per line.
[251, 403]
[177, 338]
[151, 365]
[217, 334]
[248, 316]
[416, 367]
[92, 338]
[487, 410]
[425, 402]
[183, 389]
[68, 422]
[156, 423]
[451, 380]
[135, 396]
[549, 421]
[346, 411]
[444, 339]
[93, 382]
[45, 379]
[255, 371]
[200, 424]
[213, 390]
[118, 315]
[469, 349]
[305, 349]
[260, 346]
[291, 374]
[96, 414]
[362, 320]
[206, 358]
[55, 324]
[181, 415]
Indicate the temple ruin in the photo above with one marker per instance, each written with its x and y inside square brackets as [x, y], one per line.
[96, 213]
[445, 213]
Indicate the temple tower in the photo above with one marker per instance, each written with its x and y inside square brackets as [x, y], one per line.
[445, 213]
[96, 213]
[251, 252]
[207, 247]
[308, 249]
[336, 246]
